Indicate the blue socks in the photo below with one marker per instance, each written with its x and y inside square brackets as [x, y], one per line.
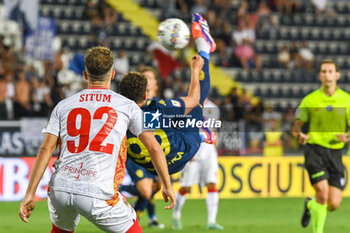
[204, 81]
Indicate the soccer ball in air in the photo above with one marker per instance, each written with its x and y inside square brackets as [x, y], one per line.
[173, 34]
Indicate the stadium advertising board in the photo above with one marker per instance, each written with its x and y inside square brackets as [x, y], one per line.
[250, 177]
[14, 178]
[21, 138]
[239, 177]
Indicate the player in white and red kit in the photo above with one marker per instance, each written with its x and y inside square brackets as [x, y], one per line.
[90, 129]
[203, 170]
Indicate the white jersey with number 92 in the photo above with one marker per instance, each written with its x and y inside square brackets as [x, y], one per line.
[91, 125]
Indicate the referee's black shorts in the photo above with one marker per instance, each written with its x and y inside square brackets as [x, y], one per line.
[324, 164]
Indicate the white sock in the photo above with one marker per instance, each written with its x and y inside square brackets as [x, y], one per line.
[202, 45]
[180, 201]
[212, 202]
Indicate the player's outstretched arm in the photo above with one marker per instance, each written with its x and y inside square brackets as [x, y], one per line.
[42, 160]
[194, 92]
[159, 163]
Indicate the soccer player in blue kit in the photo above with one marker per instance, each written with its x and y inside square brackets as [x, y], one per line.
[179, 144]
[145, 185]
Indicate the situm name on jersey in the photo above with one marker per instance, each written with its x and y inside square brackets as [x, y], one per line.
[95, 97]
[155, 120]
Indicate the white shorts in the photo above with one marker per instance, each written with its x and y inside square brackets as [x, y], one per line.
[203, 169]
[65, 210]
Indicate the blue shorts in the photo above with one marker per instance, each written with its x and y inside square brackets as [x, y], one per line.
[137, 172]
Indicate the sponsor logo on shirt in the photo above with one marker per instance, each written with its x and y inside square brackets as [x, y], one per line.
[176, 103]
[80, 171]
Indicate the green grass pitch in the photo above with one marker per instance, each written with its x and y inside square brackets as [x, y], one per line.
[275, 215]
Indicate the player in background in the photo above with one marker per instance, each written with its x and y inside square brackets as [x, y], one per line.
[203, 170]
[327, 110]
[90, 129]
[178, 143]
[146, 185]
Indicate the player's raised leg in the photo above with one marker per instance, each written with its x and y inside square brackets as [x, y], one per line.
[205, 45]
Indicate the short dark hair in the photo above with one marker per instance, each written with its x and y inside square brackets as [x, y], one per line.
[329, 61]
[133, 86]
[98, 62]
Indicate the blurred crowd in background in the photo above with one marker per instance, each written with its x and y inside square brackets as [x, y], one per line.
[30, 88]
